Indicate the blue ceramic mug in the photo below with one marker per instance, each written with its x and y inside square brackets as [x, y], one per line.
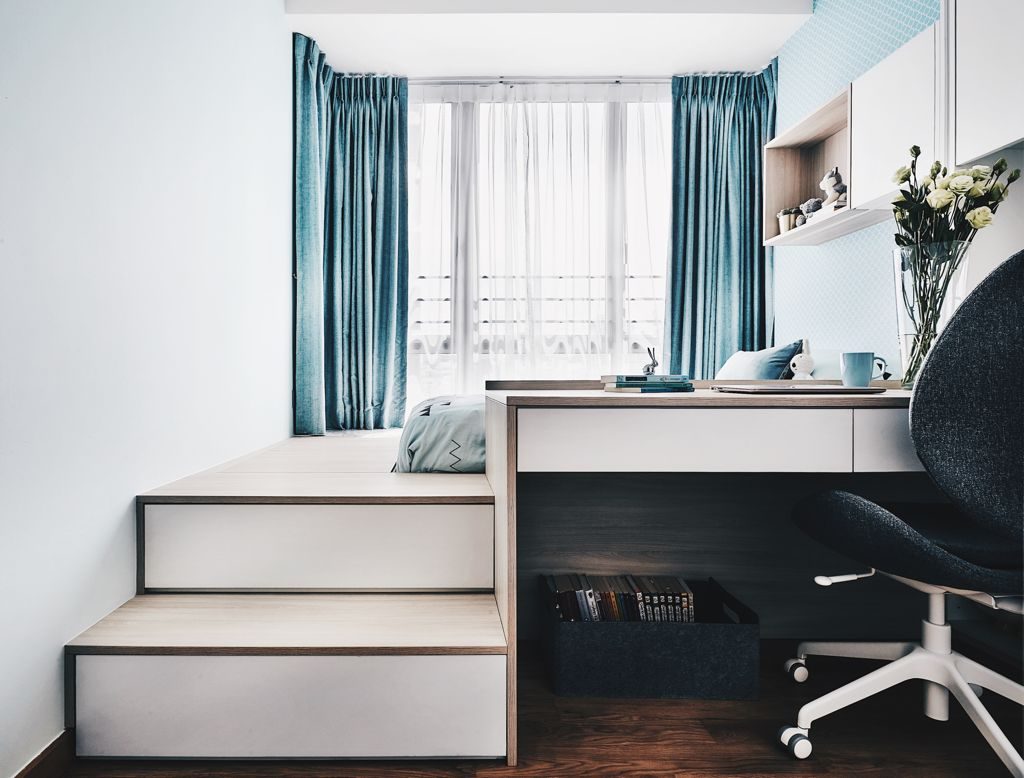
[857, 367]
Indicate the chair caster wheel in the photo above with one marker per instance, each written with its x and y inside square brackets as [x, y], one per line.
[797, 670]
[978, 690]
[796, 742]
[799, 746]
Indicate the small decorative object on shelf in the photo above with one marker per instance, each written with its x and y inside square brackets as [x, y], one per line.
[807, 210]
[787, 219]
[651, 366]
[937, 217]
[835, 190]
[803, 363]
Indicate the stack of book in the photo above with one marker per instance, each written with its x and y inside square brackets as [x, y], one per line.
[646, 383]
[583, 597]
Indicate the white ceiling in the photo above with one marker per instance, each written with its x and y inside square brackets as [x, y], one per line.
[509, 38]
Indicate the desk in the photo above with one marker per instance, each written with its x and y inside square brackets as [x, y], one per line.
[587, 431]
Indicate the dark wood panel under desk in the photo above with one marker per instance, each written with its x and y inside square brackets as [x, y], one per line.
[734, 527]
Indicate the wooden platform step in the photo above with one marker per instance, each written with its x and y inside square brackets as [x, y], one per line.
[291, 676]
[341, 468]
[298, 624]
[328, 488]
[316, 514]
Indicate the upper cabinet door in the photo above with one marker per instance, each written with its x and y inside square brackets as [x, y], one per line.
[893, 108]
[989, 108]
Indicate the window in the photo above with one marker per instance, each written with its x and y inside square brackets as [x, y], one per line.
[539, 227]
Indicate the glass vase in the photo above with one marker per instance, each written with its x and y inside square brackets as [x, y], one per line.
[931, 282]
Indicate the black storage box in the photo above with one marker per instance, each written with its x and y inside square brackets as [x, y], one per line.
[716, 657]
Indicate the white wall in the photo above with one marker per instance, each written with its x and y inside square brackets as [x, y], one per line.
[1005, 237]
[145, 295]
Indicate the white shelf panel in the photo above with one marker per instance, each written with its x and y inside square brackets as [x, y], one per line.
[837, 224]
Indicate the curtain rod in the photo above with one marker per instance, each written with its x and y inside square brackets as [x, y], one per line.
[489, 81]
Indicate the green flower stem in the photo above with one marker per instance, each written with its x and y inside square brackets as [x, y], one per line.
[932, 269]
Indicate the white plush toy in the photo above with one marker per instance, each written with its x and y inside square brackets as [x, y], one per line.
[803, 363]
[834, 188]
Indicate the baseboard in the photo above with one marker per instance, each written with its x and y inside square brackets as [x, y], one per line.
[55, 760]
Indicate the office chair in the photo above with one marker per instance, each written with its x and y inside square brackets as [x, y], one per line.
[967, 426]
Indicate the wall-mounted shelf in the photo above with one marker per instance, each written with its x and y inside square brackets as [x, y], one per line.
[826, 226]
[794, 163]
[866, 131]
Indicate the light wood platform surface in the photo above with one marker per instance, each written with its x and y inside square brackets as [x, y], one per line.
[361, 624]
[350, 467]
[355, 451]
[699, 398]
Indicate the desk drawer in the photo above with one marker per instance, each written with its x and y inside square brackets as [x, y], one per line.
[737, 440]
[290, 706]
[881, 441]
[310, 547]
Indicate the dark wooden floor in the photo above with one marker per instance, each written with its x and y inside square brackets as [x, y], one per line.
[887, 735]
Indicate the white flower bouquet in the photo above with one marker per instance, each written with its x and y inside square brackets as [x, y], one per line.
[947, 206]
[937, 217]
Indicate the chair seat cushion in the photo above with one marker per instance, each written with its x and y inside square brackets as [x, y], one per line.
[949, 529]
[932, 552]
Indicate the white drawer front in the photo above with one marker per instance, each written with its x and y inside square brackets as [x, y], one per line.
[881, 441]
[291, 706]
[319, 547]
[685, 439]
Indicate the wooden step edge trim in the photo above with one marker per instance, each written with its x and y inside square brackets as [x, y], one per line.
[178, 499]
[315, 590]
[71, 651]
[54, 761]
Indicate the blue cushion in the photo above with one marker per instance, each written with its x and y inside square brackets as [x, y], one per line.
[769, 364]
[443, 435]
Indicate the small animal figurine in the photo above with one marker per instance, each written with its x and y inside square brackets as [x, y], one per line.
[803, 363]
[834, 188]
[807, 210]
[652, 365]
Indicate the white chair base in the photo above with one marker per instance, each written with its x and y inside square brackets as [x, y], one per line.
[932, 661]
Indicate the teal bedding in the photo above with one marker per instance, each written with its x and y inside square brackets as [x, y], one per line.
[443, 435]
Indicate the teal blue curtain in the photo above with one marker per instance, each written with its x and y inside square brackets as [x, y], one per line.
[719, 279]
[351, 250]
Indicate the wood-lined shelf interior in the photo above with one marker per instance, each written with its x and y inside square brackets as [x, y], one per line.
[794, 163]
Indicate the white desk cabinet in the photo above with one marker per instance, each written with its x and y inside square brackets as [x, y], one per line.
[696, 440]
[881, 442]
[704, 432]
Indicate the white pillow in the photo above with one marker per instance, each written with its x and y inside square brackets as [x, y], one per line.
[765, 365]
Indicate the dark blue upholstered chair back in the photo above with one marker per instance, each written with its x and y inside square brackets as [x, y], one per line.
[967, 411]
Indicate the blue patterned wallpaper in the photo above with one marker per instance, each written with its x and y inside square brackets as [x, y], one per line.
[840, 294]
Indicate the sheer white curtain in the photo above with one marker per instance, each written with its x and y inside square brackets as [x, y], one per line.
[539, 228]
